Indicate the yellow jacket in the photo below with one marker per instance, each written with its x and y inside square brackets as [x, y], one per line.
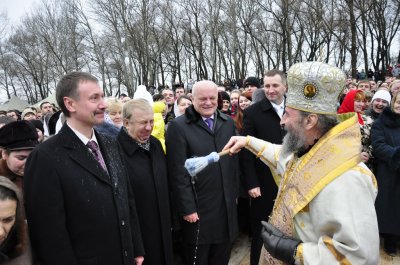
[159, 125]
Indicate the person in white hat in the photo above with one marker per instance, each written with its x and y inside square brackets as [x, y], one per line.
[379, 101]
[28, 114]
[324, 212]
[141, 92]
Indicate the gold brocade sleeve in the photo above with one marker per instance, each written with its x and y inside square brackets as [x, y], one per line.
[267, 152]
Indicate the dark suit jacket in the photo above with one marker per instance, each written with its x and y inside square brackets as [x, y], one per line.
[77, 213]
[148, 175]
[216, 187]
[260, 120]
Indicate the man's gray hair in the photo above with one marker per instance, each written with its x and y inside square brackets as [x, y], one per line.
[203, 83]
[133, 104]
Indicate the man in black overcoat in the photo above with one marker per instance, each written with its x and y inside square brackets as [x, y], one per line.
[208, 208]
[147, 168]
[79, 205]
[262, 120]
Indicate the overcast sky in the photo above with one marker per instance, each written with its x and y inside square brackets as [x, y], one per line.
[16, 8]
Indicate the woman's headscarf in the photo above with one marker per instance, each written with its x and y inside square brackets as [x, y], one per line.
[348, 104]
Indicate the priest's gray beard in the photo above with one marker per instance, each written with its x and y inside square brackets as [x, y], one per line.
[294, 140]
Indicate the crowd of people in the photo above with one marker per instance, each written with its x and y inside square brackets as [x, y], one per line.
[95, 180]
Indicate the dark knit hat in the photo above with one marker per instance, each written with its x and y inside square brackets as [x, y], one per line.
[18, 135]
[253, 81]
[224, 95]
[38, 124]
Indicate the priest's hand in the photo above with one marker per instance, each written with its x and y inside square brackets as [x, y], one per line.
[277, 244]
[235, 144]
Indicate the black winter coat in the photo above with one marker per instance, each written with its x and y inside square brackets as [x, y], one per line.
[77, 213]
[216, 188]
[260, 120]
[385, 138]
[148, 176]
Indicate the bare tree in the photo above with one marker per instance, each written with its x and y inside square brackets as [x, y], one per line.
[153, 42]
[6, 59]
[383, 27]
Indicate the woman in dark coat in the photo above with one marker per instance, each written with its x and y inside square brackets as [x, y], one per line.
[147, 169]
[385, 136]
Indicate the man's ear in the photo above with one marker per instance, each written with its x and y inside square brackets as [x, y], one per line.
[126, 123]
[69, 104]
[311, 121]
